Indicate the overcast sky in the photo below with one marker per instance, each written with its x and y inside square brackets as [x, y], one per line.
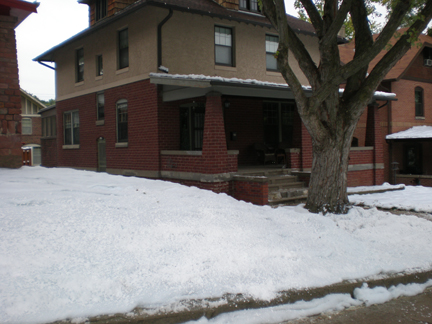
[56, 21]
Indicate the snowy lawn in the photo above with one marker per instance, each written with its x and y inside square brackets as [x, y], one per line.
[76, 244]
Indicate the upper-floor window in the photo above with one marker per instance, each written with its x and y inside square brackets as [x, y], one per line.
[28, 107]
[100, 106]
[123, 49]
[26, 126]
[249, 5]
[224, 46]
[71, 128]
[49, 126]
[99, 65]
[122, 121]
[419, 111]
[101, 9]
[272, 43]
[79, 65]
[427, 56]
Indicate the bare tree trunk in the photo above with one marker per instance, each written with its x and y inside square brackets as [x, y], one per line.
[328, 183]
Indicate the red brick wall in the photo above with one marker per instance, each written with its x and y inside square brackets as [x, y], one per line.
[142, 152]
[195, 164]
[10, 97]
[419, 70]
[254, 192]
[49, 152]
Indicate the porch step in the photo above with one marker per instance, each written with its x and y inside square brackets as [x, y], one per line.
[284, 195]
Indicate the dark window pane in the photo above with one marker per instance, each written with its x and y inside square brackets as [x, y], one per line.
[100, 106]
[80, 65]
[122, 122]
[99, 65]
[123, 49]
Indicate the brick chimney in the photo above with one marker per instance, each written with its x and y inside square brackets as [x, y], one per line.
[229, 4]
[100, 9]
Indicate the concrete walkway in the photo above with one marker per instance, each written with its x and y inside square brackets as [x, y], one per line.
[406, 310]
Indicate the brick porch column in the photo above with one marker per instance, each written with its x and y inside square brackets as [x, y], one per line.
[214, 152]
[10, 97]
[374, 138]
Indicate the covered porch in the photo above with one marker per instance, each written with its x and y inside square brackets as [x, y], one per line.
[217, 128]
[411, 156]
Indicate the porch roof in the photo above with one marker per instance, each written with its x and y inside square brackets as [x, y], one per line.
[185, 86]
[413, 133]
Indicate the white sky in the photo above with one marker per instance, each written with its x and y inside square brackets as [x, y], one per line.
[56, 21]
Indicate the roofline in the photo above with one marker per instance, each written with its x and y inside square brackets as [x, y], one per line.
[19, 4]
[32, 97]
[47, 56]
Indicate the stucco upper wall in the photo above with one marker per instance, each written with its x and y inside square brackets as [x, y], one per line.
[187, 48]
[142, 27]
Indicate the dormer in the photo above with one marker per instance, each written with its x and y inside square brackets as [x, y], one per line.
[229, 4]
[99, 9]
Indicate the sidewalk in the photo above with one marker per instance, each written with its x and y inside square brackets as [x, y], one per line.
[195, 309]
[407, 310]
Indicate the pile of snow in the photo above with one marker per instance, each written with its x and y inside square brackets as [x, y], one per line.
[329, 303]
[416, 198]
[384, 187]
[78, 243]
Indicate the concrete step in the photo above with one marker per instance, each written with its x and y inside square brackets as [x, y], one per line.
[285, 185]
[288, 193]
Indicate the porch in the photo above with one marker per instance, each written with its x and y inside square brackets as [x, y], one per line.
[221, 121]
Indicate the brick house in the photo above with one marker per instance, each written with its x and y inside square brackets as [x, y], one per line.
[406, 123]
[186, 91]
[31, 128]
[12, 13]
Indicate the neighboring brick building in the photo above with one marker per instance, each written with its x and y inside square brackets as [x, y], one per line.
[120, 111]
[407, 159]
[12, 13]
[31, 128]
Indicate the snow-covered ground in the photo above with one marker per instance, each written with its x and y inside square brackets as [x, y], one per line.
[78, 243]
[415, 198]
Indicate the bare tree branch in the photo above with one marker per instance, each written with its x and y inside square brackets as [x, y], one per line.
[314, 17]
[338, 21]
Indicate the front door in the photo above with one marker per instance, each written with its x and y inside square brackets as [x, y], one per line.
[101, 154]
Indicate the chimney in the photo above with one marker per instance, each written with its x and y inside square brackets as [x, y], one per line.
[229, 4]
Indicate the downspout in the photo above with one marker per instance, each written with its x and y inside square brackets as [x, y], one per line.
[159, 40]
[44, 64]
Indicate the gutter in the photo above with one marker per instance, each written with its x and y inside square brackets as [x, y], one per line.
[159, 40]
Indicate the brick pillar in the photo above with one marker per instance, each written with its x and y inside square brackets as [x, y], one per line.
[214, 150]
[374, 138]
[10, 97]
[306, 148]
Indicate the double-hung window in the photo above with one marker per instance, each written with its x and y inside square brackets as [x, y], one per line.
[71, 128]
[26, 126]
[79, 65]
[99, 65]
[123, 49]
[100, 106]
[272, 43]
[224, 46]
[251, 5]
[419, 109]
[101, 9]
[122, 121]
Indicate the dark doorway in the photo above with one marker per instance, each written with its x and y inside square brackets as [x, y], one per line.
[101, 145]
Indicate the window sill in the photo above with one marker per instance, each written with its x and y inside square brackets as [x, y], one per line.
[71, 147]
[99, 77]
[273, 73]
[225, 68]
[420, 117]
[78, 84]
[123, 144]
[126, 69]
[100, 122]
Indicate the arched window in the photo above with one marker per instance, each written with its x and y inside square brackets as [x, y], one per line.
[419, 111]
[122, 121]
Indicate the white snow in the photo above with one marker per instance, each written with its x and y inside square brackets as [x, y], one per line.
[384, 186]
[416, 198]
[75, 244]
[413, 132]
[202, 77]
[329, 303]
